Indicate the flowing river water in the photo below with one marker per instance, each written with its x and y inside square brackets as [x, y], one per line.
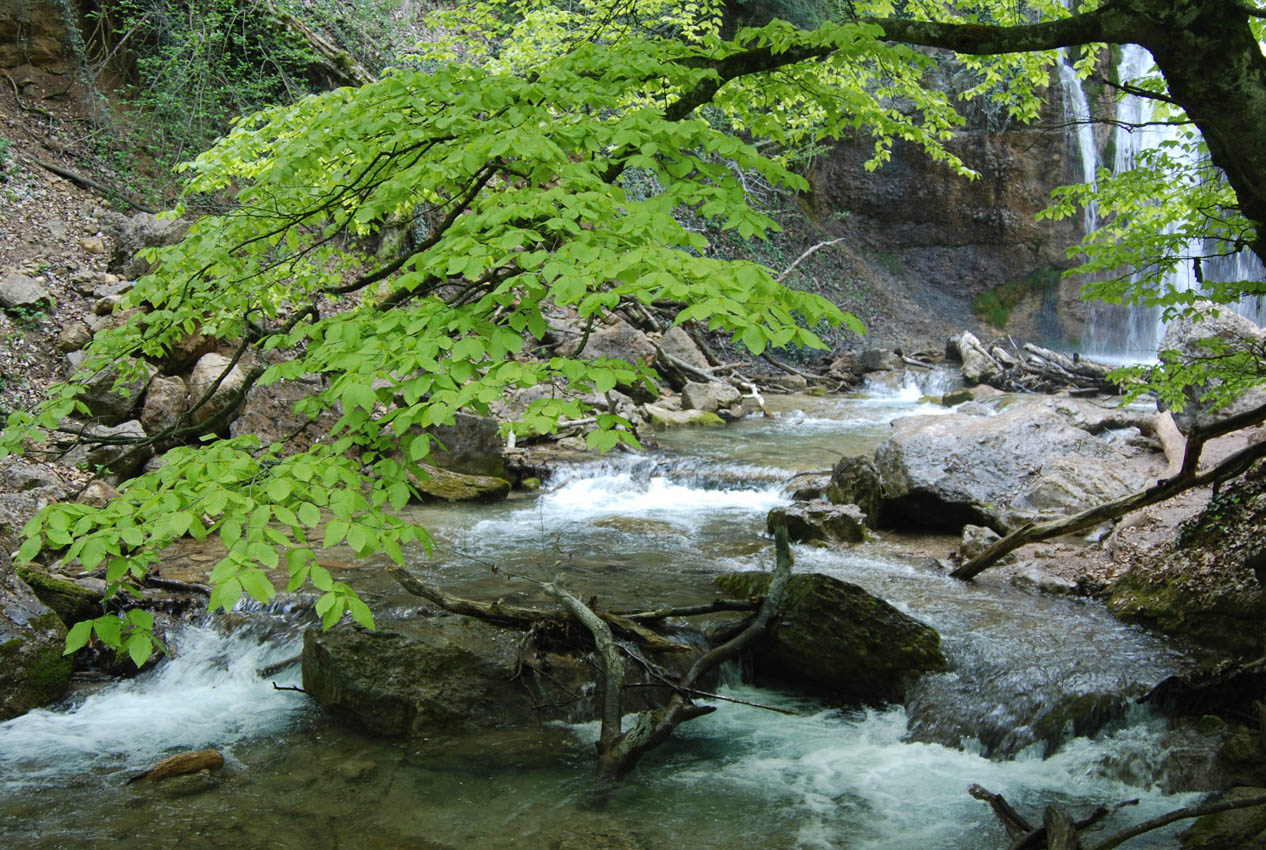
[894, 778]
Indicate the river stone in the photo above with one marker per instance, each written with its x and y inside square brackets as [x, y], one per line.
[73, 337]
[835, 637]
[855, 481]
[205, 373]
[819, 521]
[445, 486]
[165, 400]
[33, 671]
[110, 404]
[710, 396]
[621, 342]
[679, 344]
[662, 418]
[1188, 337]
[446, 675]
[944, 472]
[879, 360]
[19, 292]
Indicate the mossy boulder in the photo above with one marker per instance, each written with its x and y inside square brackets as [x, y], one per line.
[662, 418]
[1209, 583]
[33, 671]
[835, 638]
[435, 675]
[1238, 829]
[443, 485]
[68, 600]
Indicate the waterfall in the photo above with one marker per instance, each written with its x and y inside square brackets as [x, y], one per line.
[1077, 113]
[1132, 333]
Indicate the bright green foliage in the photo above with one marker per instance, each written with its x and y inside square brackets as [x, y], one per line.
[504, 162]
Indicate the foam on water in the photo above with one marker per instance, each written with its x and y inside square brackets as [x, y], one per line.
[207, 695]
[851, 779]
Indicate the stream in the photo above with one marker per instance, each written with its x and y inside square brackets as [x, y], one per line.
[655, 526]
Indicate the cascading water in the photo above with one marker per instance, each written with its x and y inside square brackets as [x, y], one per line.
[1133, 333]
[742, 778]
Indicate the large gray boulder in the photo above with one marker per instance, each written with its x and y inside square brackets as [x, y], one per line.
[165, 400]
[471, 446]
[711, 396]
[110, 404]
[142, 230]
[118, 459]
[944, 472]
[1190, 339]
[620, 342]
[205, 374]
[33, 671]
[679, 344]
[19, 292]
[836, 638]
[269, 413]
[444, 675]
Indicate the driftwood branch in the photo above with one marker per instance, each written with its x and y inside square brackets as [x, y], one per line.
[1167, 488]
[524, 618]
[652, 728]
[1177, 815]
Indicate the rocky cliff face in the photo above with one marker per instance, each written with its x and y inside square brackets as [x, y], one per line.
[937, 240]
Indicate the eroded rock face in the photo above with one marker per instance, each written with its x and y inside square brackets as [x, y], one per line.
[33, 671]
[944, 472]
[31, 32]
[835, 637]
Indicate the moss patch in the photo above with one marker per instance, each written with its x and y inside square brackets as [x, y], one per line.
[994, 306]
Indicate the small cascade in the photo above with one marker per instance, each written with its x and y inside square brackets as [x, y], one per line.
[1133, 333]
[910, 385]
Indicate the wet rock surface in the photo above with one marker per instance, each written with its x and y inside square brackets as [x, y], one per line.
[33, 671]
[836, 638]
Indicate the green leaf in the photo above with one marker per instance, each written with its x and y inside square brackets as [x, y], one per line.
[255, 583]
[225, 595]
[335, 531]
[78, 636]
[360, 612]
[309, 514]
[321, 578]
[139, 648]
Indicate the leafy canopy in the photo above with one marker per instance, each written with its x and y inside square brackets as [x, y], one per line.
[501, 153]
